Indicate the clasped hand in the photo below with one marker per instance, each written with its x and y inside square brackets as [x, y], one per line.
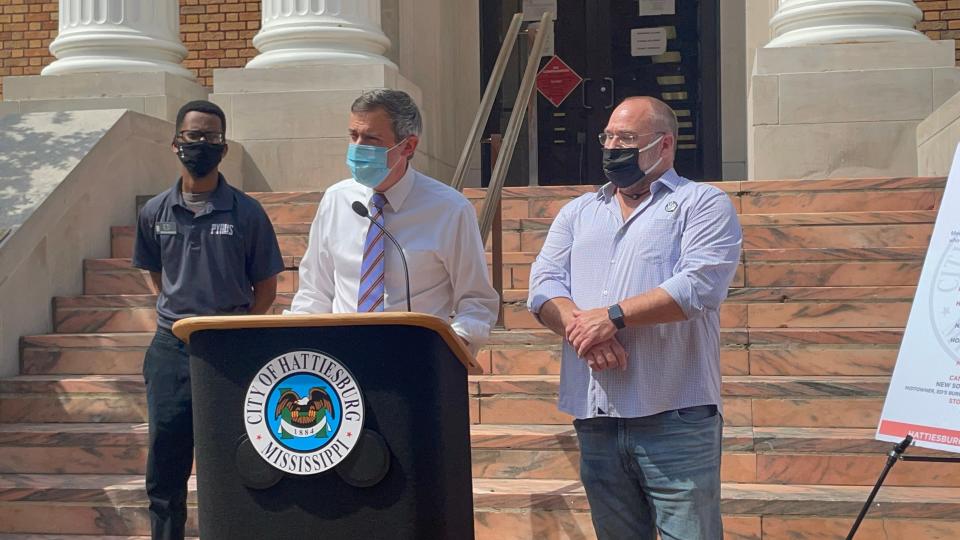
[593, 336]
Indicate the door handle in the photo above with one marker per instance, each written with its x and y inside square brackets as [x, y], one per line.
[583, 95]
[613, 88]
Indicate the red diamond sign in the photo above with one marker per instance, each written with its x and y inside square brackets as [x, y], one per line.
[557, 80]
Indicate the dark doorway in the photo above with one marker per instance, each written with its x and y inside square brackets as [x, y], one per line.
[594, 38]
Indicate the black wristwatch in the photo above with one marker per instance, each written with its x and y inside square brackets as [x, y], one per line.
[615, 312]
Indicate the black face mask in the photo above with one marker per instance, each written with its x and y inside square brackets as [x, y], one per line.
[622, 166]
[200, 157]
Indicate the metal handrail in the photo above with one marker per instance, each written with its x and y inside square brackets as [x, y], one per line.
[496, 243]
[486, 103]
[499, 174]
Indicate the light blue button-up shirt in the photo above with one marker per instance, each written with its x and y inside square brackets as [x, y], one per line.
[685, 239]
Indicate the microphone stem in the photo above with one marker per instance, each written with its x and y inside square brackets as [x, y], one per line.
[361, 210]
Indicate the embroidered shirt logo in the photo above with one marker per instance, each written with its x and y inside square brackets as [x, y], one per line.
[221, 228]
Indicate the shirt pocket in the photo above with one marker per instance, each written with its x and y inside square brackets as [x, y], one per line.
[658, 242]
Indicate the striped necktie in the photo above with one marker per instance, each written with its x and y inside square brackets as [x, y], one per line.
[371, 269]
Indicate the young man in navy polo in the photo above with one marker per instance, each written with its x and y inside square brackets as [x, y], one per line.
[210, 250]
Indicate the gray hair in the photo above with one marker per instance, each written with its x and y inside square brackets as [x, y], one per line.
[399, 106]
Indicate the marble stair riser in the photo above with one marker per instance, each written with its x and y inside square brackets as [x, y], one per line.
[124, 513]
[737, 466]
[137, 313]
[293, 238]
[756, 274]
[41, 359]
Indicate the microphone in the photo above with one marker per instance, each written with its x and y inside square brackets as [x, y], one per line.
[361, 210]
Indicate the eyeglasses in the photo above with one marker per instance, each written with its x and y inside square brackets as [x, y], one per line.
[192, 136]
[625, 139]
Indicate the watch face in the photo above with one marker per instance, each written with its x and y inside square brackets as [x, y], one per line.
[616, 315]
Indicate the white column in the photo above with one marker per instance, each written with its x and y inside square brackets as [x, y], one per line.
[319, 32]
[806, 22]
[118, 36]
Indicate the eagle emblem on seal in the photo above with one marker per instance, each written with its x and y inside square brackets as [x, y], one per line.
[304, 416]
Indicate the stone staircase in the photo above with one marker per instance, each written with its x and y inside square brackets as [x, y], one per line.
[810, 336]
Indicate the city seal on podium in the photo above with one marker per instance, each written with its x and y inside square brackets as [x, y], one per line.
[303, 412]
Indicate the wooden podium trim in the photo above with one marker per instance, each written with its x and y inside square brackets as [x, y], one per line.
[184, 328]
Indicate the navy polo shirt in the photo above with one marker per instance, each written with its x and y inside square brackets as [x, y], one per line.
[209, 260]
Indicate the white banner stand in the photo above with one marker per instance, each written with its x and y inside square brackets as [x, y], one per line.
[923, 400]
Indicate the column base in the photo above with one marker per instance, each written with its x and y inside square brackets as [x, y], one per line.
[844, 111]
[293, 58]
[97, 64]
[808, 22]
[293, 122]
[157, 94]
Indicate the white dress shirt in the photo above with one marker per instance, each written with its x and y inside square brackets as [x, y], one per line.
[437, 228]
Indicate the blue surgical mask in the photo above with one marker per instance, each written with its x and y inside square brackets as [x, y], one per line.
[368, 164]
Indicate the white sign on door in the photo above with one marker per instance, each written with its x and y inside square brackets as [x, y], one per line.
[924, 395]
[657, 7]
[648, 41]
[533, 10]
[548, 47]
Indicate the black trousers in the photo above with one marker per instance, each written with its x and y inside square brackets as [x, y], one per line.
[166, 371]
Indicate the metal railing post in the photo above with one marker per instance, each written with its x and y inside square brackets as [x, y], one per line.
[496, 243]
[499, 174]
[486, 102]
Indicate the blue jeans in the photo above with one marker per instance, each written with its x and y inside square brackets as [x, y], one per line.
[659, 472]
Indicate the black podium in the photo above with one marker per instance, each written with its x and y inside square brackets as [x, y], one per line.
[330, 426]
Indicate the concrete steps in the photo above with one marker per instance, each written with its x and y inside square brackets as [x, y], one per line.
[292, 238]
[754, 197]
[886, 308]
[514, 437]
[812, 268]
[810, 335]
[846, 352]
[799, 276]
[806, 401]
[117, 277]
[115, 505]
[529, 235]
[771, 214]
[830, 456]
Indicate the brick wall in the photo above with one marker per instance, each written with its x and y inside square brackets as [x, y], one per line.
[941, 20]
[26, 29]
[217, 34]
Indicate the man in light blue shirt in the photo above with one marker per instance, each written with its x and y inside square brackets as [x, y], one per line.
[632, 277]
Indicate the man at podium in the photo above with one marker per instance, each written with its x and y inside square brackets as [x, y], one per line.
[350, 264]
